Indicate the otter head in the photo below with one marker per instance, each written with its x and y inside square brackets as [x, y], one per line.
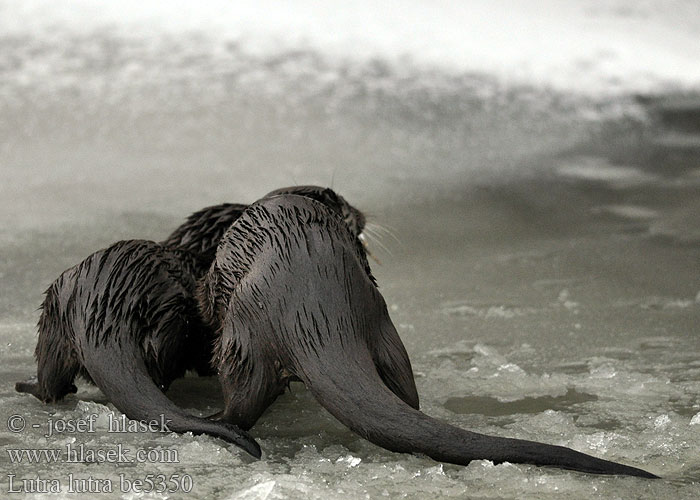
[354, 219]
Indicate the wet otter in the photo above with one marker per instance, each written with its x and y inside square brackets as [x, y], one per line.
[125, 318]
[292, 297]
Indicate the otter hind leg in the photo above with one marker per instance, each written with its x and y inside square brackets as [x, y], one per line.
[57, 367]
[57, 359]
[393, 365]
[247, 403]
[32, 387]
[248, 391]
[250, 379]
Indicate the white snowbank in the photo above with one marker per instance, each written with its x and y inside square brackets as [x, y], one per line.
[590, 46]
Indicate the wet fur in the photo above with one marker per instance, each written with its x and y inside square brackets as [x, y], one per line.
[132, 303]
[292, 297]
[189, 249]
[201, 233]
[126, 319]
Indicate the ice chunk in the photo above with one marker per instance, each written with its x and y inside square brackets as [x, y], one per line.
[661, 421]
[260, 491]
[349, 460]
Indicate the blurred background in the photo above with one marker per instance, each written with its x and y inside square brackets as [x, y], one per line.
[534, 167]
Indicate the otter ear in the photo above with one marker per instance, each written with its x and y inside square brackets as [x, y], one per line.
[330, 195]
[393, 365]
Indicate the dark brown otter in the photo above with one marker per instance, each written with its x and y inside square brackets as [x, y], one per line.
[291, 294]
[126, 314]
[125, 318]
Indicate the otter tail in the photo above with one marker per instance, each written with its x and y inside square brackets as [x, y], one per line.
[351, 389]
[124, 379]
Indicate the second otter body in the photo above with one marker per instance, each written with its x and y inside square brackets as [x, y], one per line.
[126, 319]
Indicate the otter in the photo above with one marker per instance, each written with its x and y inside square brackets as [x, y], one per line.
[128, 313]
[291, 295]
[126, 319]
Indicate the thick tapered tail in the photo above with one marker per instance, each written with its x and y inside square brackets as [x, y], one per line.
[123, 378]
[352, 391]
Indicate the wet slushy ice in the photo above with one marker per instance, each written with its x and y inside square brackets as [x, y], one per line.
[538, 248]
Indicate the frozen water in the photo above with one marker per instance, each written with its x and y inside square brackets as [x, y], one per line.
[546, 279]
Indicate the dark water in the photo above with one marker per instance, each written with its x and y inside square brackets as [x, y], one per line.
[542, 258]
